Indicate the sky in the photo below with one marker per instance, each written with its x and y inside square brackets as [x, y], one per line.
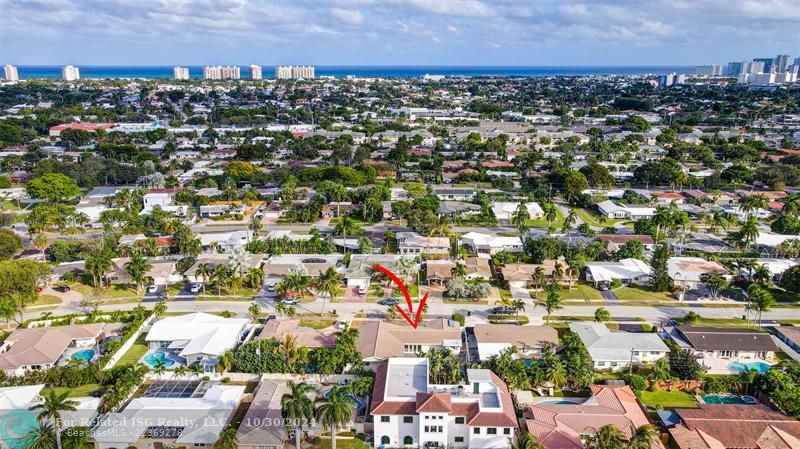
[396, 32]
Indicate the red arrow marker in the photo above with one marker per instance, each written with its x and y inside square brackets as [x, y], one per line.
[404, 290]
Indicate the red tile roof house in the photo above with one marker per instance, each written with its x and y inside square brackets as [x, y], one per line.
[564, 426]
[55, 131]
[410, 411]
[715, 426]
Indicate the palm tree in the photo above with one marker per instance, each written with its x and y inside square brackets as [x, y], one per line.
[328, 284]
[601, 315]
[539, 276]
[660, 372]
[607, 437]
[335, 411]
[228, 439]
[550, 214]
[761, 300]
[524, 441]
[52, 407]
[290, 352]
[642, 437]
[517, 304]
[160, 368]
[520, 218]
[159, 309]
[297, 407]
[225, 362]
[42, 437]
[137, 267]
[196, 370]
[748, 232]
[558, 273]
[569, 221]
[204, 271]
[254, 311]
[347, 226]
[459, 270]
[180, 370]
[553, 301]
[220, 277]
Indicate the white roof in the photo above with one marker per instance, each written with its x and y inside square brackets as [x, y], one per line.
[491, 241]
[776, 266]
[624, 269]
[233, 237]
[202, 418]
[767, 239]
[511, 208]
[603, 344]
[198, 333]
[12, 398]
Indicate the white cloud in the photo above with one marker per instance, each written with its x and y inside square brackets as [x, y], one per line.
[348, 16]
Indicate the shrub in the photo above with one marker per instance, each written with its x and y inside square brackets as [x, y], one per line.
[459, 318]
[636, 382]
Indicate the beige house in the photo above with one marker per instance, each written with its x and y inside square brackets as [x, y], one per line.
[41, 348]
[380, 340]
[306, 336]
[529, 341]
[262, 426]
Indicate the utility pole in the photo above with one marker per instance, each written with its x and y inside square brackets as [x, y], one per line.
[630, 366]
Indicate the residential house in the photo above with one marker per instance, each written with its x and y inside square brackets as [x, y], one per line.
[359, 272]
[214, 259]
[40, 348]
[617, 350]
[218, 210]
[277, 267]
[723, 351]
[507, 210]
[225, 241]
[566, 426]
[161, 272]
[379, 341]
[522, 275]
[617, 210]
[689, 272]
[197, 337]
[454, 193]
[165, 416]
[411, 243]
[487, 245]
[627, 271]
[456, 209]
[529, 341]
[789, 335]
[439, 271]
[613, 242]
[478, 268]
[409, 410]
[263, 425]
[724, 426]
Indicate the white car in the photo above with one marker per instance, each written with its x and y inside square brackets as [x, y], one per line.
[291, 300]
[271, 285]
[152, 289]
[362, 289]
[195, 288]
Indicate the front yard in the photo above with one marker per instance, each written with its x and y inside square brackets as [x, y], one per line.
[640, 294]
[583, 292]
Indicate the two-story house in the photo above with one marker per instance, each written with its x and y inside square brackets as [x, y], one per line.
[410, 411]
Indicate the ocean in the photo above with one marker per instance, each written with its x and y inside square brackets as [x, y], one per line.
[31, 72]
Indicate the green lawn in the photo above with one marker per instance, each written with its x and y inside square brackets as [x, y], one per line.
[320, 323]
[110, 292]
[46, 300]
[77, 392]
[135, 353]
[724, 322]
[782, 295]
[640, 294]
[583, 292]
[542, 223]
[325, 443]
[592, 217]
[667, 399]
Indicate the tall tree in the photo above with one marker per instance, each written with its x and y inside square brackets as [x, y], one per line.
[328, 285]
[297, 407]
[335, 411]
[55, 403]
[659, 280]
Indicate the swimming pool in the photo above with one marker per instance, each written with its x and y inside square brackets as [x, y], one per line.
[728, 399]
[358, 403]
[155, 358]
[84, 354]
[761, 367]
[555, 403]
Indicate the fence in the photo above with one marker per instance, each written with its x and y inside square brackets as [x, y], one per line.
[131, 341]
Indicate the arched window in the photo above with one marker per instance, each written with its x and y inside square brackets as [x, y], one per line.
[384, 440]
[408, 440]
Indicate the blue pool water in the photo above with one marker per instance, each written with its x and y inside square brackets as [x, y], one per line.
[556, 403]
[353, 398]
[155, 358]
[728, 399]
[761, 367]
[85, 354]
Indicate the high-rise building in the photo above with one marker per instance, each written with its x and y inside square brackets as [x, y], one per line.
[753, 67]
[735, 68]
[708, 70]
[797, 61]
[768, 62]
[180, 73]
[286, 72]
[218, 72]
[70, 73]
[671, 79]
[10, 73]
[255, 72]
[780, 63]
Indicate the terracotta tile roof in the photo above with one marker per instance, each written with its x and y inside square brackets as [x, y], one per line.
[433, 403]
[560, 426]
[381, 407]
[506, 418]
[43, 346]
[739, 426]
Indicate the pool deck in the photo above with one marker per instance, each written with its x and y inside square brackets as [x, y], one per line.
[66, 357]
[722, 366]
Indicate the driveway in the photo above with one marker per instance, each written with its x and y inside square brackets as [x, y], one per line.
[186, 294]
[609, 296]
[520, 293]
[157, 296]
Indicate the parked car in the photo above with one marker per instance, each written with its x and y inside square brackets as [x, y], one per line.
[503, 310]
[62, 288]
[389, 302]
[362, 289]
[271, 285]
[195, 288]
[153, 289]
[290, 300]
